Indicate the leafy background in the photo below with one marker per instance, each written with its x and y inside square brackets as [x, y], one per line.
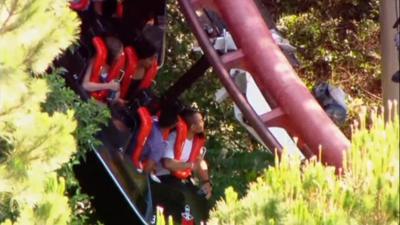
[337, 41]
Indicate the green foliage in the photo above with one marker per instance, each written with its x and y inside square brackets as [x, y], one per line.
[90, 117]
[33, 144]
[55, 203]
[52, 209]
[338, 42]
[32, 33]
[243, 168]
[161, 219]
[367, 193]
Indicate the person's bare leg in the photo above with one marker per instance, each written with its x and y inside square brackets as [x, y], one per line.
[149, 167]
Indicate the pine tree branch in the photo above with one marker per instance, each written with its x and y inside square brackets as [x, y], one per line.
[28, 15]
[10, 14]
[10, 110]
[2, 5]
[30, 58]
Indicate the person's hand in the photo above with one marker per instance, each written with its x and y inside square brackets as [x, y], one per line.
[207, 189]
[121, 102]
[190, 165]
[195, 166]
[113, 85]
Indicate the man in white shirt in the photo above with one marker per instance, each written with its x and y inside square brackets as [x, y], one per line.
[195, 123]
[180, 192]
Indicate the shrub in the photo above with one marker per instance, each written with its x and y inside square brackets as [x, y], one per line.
[367, 193]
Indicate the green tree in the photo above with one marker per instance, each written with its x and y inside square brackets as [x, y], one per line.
[90, 117]
[33, 144]
[338, 42]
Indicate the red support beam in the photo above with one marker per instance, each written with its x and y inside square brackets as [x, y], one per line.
[216, 61]
[274, 75]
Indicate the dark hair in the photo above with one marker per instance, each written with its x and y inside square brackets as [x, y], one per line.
[144, 49]
[188, 113]
[148, 42]
[154, 35]
[168, 118]
[114, 47]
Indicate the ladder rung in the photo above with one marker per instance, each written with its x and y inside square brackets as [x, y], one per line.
[233, 59]
[274, 118]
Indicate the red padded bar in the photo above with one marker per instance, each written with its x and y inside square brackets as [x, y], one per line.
[149, 76]
[181, 135]
[99, 59]
[130, 70]
[198, 144]
[141, 138]
[113, 74]
[80, 5]
[120, 9]
[274, 75]
[99, 62]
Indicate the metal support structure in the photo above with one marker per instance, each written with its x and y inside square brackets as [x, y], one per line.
[275, 78]
[389, 13]
[273, 73]
[226, 80]
[187, 80]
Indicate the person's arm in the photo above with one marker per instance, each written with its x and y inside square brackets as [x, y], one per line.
[176, 165]
[205, 182]
[201, 169]
[168, 160]
[92, 86]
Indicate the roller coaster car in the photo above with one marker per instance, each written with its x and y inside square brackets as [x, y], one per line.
[121, 148]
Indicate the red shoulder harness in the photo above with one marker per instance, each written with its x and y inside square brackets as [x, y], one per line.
[113, 74]
[130, 70]
[198, 144]
[99, 60]
[141, 138]
[150, 75]
[80, 5]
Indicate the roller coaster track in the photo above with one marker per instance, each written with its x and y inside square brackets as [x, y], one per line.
[293, 106]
